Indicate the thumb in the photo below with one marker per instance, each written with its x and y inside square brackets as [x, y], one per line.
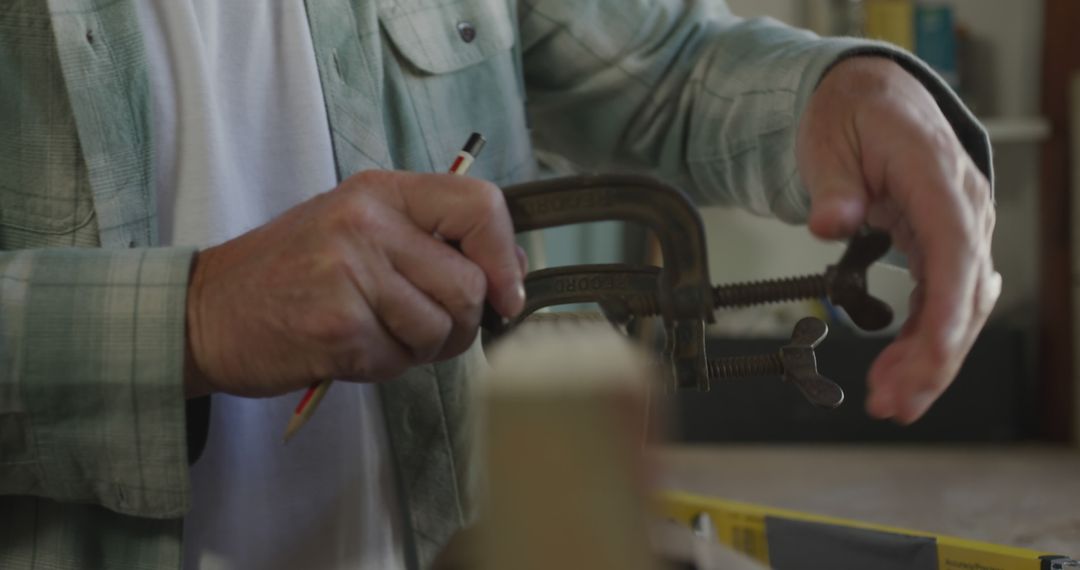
[838, 207]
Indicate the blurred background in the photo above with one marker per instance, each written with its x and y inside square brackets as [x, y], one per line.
[1018, 384]
[995, 458]
[991, 52]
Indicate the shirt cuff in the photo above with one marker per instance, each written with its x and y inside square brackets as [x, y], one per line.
[98, 339]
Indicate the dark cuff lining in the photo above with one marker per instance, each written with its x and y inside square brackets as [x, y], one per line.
[198, 427]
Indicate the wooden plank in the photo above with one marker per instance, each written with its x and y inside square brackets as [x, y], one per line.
[564, 429]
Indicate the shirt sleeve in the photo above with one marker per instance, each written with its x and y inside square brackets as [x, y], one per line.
[92, 408]
[710, 102]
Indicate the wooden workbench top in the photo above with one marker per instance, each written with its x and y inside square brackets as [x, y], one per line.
[1019, 496]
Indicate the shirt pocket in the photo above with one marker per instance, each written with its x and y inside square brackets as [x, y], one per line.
[50, 199]
[45, 196]
[454, 71]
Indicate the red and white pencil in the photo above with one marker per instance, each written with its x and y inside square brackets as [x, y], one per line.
[467, 155]
[304, 410]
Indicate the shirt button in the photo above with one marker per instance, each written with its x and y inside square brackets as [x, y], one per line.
[467, 31]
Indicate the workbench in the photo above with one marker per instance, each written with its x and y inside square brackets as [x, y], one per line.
[1024, 496]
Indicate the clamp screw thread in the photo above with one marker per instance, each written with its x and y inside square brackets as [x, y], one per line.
[770, 291]
[746, 366]
[646, 305]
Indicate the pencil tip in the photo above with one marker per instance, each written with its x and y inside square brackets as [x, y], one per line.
[290, 430]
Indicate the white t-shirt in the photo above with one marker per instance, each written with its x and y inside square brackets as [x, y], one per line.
[240, 135]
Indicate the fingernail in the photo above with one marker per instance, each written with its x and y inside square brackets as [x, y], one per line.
[516, 301]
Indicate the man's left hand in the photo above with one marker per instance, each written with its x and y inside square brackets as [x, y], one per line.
[873, 147]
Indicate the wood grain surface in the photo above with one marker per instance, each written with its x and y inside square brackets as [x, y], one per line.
[1019, 496]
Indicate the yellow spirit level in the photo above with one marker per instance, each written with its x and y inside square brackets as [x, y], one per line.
[790, 540]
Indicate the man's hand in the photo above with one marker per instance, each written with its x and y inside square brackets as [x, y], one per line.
[354, 284]
[874, 147]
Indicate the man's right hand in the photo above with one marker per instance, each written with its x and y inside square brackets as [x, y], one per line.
[354, 284]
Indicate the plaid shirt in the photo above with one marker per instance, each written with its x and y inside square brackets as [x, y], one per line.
[93, 455]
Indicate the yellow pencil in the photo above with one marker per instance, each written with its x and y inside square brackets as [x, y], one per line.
[306, 407]
[315, 393]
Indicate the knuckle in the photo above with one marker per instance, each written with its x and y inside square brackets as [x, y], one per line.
[471, 290]
[490, 199]
[942, 141]
[459, 342]
[369, 179]
[361, 215]
[334, 257]
[371, 365]
[428, 340]
[333, 275]
[340, 212]
[970, 236]
[364, 208]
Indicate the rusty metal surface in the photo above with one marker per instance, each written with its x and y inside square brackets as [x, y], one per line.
[634, 288]
[680, 291]
[844, 284]
[796, 363]
[666, 211]
[847, 285]
[624, 290]
[683, 292]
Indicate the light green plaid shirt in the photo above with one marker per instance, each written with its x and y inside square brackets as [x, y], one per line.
[93, 444]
